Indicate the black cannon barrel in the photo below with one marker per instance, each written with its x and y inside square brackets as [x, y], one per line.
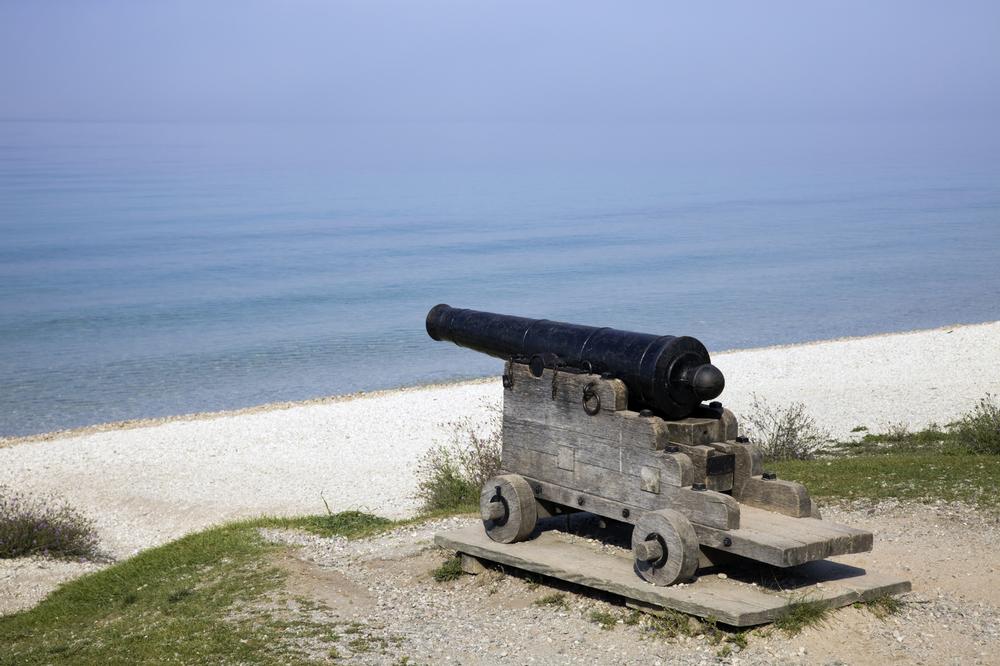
[668, 374]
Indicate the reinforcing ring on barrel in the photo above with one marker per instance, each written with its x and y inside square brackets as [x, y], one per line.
[591, 399]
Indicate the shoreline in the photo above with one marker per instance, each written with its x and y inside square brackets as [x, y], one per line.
[145, 483]
[131, 424]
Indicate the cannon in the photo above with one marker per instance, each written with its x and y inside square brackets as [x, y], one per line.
[671, 375]
[615, 423]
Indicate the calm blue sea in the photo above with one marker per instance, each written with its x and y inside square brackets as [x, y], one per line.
[156, 269]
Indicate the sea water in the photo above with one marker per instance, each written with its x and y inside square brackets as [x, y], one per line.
[157, 269]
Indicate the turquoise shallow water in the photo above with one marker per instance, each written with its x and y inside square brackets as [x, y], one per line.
[148, 270]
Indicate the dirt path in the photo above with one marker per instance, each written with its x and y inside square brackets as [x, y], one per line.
[383, 592]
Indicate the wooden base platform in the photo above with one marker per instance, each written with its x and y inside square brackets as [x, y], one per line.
[750, 594]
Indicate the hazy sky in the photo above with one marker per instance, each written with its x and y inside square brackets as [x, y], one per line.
[468, 60]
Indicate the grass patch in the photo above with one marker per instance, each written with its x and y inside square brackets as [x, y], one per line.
[606, 620]
[883, 606]
[924, 477]
[47, 527]
[451, 569]
[349, 524]
[899, 439]
[976, 431]
[555, 600]
[200, 599]
[799, 614]
[957, 462]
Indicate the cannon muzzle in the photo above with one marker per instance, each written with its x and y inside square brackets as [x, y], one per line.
[670, 375]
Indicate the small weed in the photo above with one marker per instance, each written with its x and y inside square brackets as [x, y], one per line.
[734, 642]
[451, 475]
[492, 580]
[603, 618]
[360, 644]
[801, 613]
[883, 606]
[179, 595]
[710, 627]
[859, 428]
[783, 433]
[669, 624]
[354, 628]
[450, 570]
[557, 600]
[333, 653]
[633, 618]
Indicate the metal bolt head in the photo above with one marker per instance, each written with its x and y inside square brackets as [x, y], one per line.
[727, 542]
[626, 513]
[580, 500]
[646, 413]
[698, 486]
[742, 439]
[769, 476]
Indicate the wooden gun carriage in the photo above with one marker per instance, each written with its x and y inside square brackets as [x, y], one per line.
[577, 437]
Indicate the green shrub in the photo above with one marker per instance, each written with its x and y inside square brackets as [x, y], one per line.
[556, 599]
[783, 433]
[451, 475]
[32, 526]
[979, 429]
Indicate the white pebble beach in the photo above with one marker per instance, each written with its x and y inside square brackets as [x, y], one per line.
[146, 483]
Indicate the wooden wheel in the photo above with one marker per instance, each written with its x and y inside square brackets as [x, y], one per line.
[507, 506]
[665, 547]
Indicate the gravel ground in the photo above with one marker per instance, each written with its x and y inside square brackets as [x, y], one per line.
[385, 588]
[147, 483]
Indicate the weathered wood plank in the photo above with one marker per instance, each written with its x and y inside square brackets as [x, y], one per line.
[616, 428]
[698, 456]
[744, 467]
[730, 428]
[784, 541]
[844, 539]
[616, 457]
[705, 507]
[569, 388]
[694, 431]
[709, 596]
[756, 545]
[787, 497]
